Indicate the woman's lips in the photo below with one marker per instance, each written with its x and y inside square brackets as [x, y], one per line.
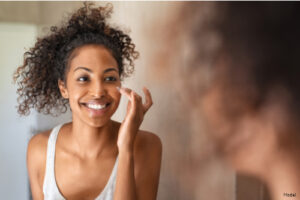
[95, 109]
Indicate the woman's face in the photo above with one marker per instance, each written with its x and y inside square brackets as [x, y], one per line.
[91, 85]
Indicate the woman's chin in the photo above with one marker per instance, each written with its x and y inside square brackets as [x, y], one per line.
[98, 123]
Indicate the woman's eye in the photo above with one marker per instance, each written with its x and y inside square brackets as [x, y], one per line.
[110, 79]
[83, 79]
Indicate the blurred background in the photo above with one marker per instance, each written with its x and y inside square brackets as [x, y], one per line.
[189, 170]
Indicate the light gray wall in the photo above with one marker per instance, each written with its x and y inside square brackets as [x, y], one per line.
[15, 131]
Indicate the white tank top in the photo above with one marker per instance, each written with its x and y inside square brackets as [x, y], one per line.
[50, 188]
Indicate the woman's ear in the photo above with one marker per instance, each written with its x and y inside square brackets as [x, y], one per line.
[63, 89]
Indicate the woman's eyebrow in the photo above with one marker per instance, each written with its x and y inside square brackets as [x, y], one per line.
[111, 69]
[84, 68]
[89, 70]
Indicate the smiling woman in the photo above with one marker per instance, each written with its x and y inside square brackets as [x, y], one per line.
[80, 65]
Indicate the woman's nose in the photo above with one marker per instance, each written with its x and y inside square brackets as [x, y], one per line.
[97, 89]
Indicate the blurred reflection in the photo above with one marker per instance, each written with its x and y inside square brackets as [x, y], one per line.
[238, 70]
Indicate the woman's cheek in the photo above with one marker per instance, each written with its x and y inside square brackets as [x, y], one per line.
[117, 96]
[115, 92]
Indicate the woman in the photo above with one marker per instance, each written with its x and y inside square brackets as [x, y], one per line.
[80, 65]
[241, 75]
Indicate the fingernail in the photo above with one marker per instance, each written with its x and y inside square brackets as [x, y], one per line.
[118, 88]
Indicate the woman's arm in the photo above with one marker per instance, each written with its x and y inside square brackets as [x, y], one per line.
[36, 158]
[126, 185]
[148, 153]
[138, 172]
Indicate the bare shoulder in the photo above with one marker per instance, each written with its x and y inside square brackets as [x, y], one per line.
[37, 152]
[146, 139]
[38, 143]
[148, 144]
[36, 162]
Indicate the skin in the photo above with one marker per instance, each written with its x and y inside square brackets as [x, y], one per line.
[87, 147]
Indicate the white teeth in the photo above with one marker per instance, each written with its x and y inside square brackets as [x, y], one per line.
[96, 106]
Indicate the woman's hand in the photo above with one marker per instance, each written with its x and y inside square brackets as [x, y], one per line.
[130, 183]
[136, 111]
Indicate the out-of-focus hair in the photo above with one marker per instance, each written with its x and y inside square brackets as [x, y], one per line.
[251, 47]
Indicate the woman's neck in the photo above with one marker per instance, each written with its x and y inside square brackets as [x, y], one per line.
[90, 142]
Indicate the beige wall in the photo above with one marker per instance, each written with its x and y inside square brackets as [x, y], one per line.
[21, 12]
[189, 172]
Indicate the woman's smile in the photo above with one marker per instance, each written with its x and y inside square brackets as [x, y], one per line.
[97, 108]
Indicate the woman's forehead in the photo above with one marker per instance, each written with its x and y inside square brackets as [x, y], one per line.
[93, 56]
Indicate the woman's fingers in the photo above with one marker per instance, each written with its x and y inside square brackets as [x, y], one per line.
[136, 99]
[126, 92]
[148, 102]
[130, 94]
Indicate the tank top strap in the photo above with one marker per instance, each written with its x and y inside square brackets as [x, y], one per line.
[49, 185]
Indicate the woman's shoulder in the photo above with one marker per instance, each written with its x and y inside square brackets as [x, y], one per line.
[39, 141]
[37, 149]
[148, 146]
[36, 157]
[146, 143]
[147, 155]
[147, 140]
[144, 139]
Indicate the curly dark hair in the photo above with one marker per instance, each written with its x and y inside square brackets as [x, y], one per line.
[47, 62]
[260, 42]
